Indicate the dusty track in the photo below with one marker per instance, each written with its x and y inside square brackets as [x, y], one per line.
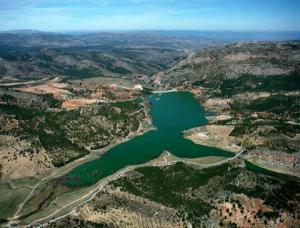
[102, 183]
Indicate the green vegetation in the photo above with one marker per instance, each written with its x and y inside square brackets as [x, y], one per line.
[276, 104]
[85, 61]
[168, 186]
[238, 68]
[193, 191]
[128, 106]
[2, 71]
[18, 112]
[272, 130]
[253, 83]
[81, 73]
[76, 223]
[46, 127]
[10, 198]
[64, 134]
[261, 82]
[51, 101]
[279, 191]
[38, 102]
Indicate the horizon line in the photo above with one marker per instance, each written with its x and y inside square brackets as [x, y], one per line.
[152, 30]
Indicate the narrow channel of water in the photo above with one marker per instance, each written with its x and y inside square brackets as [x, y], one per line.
[171, 113]
[285, 177]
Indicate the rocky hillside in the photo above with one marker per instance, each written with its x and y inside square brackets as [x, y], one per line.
[254, 90]
[183, 196]
[218, 65]
[51, 123]
[32, 54]
[27, 63]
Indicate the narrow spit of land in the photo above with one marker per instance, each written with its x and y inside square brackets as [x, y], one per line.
[172, 113]
[165, 159]
[164, 91]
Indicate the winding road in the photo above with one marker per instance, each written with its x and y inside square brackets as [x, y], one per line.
[91, 194]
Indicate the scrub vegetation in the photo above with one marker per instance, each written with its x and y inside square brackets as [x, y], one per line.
[227, 195]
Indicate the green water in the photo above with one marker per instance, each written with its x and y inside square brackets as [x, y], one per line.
[171, 114]
[254, 168]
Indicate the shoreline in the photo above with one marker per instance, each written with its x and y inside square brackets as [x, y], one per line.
[85, 194]
[257, 162]
[144, 127]
[164, 159]
[208, 140]
[201, 136]
[58, 172]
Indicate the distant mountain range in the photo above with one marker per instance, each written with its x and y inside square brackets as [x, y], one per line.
[33, 38]
[159, 38]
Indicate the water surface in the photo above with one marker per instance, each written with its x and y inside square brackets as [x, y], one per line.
[171, 113]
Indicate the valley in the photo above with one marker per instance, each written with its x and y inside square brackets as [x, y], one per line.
[148, 131]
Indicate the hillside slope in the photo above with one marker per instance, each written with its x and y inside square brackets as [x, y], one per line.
[214, 65]
[254, 90]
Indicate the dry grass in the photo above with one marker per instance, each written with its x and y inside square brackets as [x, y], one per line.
[214, 136]
[122, 209]
[17, 162]
[77, 103]
[245, 216]
[58, 90]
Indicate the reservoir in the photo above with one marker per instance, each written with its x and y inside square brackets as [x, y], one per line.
[172, 113]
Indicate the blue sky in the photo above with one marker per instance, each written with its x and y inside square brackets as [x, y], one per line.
[229, 15]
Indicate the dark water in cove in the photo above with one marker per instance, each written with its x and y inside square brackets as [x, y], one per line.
[171, 113]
